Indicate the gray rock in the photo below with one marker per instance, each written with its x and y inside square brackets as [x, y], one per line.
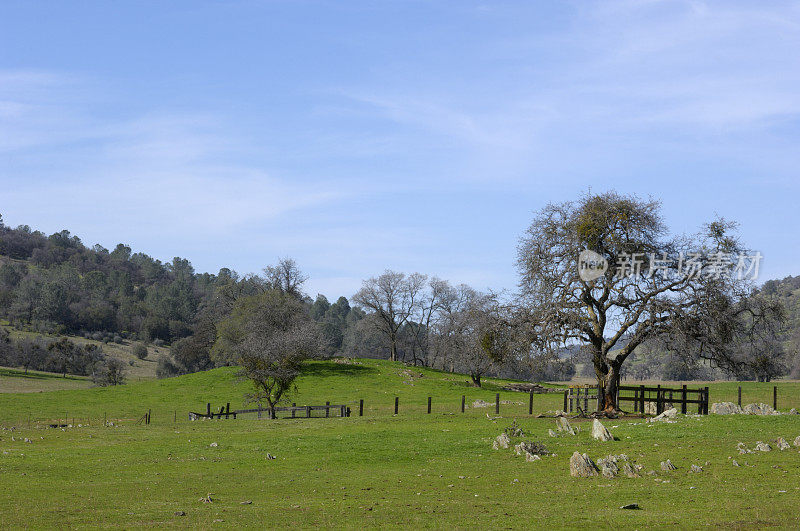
[551, 433]
[481, 403]
[782, 444]
[667, 465]
[501, 441]
[734, 462]
[631, 507]
[696, 469]
[759, 409]
[763, 447]
[793, 411]
[180, 513]
[666, 416]
[614, 465]
[743, 448]
[600, 432]
[563, 425]
[726, 408]
[797, 442]
[581, 466]
[650, 408]
[531, 450]
[532, 457]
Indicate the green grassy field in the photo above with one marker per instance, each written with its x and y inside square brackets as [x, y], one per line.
[409, 470]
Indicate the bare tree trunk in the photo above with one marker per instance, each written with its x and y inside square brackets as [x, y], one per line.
[610, 387]
[476, 379]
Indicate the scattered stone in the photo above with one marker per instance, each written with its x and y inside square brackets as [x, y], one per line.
[600, 432]
[726, 408]
[270, 456]
[782, 444]
[763, 447]
[530, 450]
[667, 465]
[481, 403]
[632, 507]
[563, 425]
[551, 433]
[581, 466]
[797, 442]
[759, 409]
[613, 465]
[696, 469]
[213, 445]
[180, 513]
[743, 448]
[501, 441]
[28, 440]
[650, 408]
[793, 411]
[735, 462]
[248, 502]
[666, 416]
[207, 498]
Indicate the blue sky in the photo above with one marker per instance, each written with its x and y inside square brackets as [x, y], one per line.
[418, 136]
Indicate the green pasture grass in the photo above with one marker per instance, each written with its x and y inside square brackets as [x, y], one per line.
[410, 470]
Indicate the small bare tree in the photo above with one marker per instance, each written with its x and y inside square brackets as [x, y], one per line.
[286, 276]
[393, 297]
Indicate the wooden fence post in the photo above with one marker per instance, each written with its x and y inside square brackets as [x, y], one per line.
[775, 398]
[740, 396]
[600, 393]
[659, 403]
[227, 410]
[530, 404]
[497, 404]
[293, 405]
[429, 405]
[586, 400]
[208, 410]
[463, 402]
[308, 411]
[565, 401]
[327, 409]
[396, 404]
[641, 399]
[635, 400]
[705, 403]
[683, 398]
[361, 407]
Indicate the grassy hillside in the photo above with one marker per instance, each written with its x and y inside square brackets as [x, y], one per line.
[410, 470]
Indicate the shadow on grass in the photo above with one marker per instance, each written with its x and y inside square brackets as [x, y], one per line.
[322, 369]
[15, 373]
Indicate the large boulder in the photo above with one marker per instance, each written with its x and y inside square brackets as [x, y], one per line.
[600, 432]
[582, 466]
[726, 408]
[782, 444]
[759, 409]
[531, 450]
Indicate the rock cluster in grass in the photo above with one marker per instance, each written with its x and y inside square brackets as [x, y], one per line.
[513, 430]
[667, 416]
[582, 466]
[726, 408]
[501, 441]
[614, 465]
[729, 408]
[532, 450]
[667, 465]
[696, 469]
[781, 444]
[600, 432]
[763, 447]
[481, 403]
[759, 409]
[563, 426]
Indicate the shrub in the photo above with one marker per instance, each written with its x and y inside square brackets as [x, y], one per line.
[118, 339]
[140, 351]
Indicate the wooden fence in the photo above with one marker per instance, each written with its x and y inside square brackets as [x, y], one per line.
[662, 397]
